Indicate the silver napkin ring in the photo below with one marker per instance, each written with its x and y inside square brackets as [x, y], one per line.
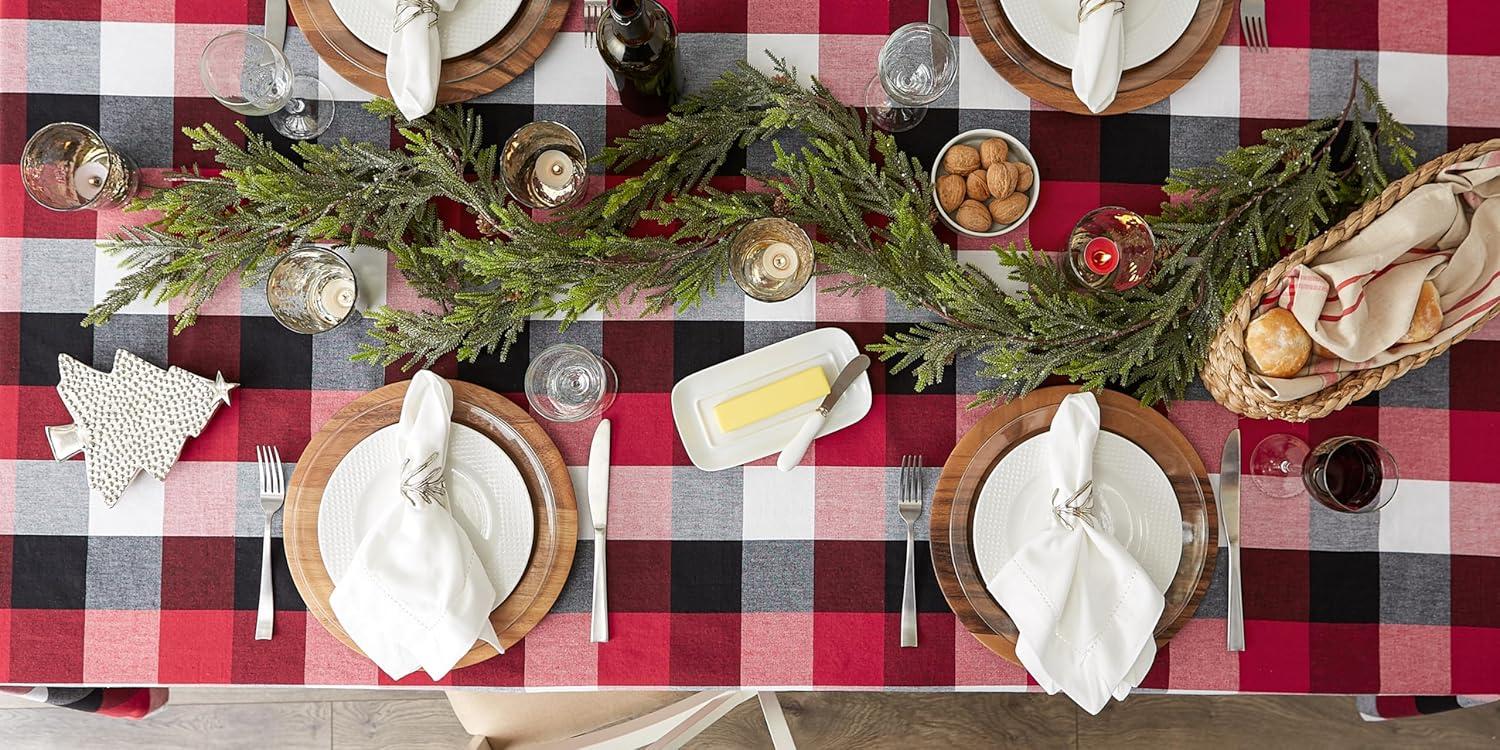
[1078, 507]
[407, 10]
[1088, 8]
[425, 483]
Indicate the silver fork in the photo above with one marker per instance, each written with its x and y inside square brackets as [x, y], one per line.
[910, 506]
[272, 493]
[593, 10]
[1253, 24]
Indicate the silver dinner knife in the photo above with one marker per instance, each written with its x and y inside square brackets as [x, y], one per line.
[791, 455]
[598, 510]
[275, 30]
[937, 14]
[1229, 525]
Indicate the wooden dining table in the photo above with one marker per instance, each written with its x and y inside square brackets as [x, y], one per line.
[748, 576]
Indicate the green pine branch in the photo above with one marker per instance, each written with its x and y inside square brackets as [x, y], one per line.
[871, 204]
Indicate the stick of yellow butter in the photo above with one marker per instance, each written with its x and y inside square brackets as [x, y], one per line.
[772, 399]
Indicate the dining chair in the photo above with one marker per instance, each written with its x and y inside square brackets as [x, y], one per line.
[604, 720]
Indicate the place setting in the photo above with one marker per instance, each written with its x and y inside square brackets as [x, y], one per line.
[1098, 57]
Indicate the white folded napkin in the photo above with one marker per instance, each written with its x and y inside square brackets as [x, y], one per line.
[1100, 53]
[416, 594]
[1085, 609]
[416, 56]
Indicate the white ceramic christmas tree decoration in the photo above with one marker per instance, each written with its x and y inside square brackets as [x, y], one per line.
[134, 418]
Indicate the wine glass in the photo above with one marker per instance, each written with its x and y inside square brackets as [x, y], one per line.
[248, 74]
[568, 383]
[917, 65]
[1348, 474]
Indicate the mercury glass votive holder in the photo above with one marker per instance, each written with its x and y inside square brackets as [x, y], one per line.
[771, 259]
[544, 165]
[312, 290]
[66, 166]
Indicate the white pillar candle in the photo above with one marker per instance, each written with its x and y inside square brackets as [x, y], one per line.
[779, 260]
[88, 179]
[554, 169]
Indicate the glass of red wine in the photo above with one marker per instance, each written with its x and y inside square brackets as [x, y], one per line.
[1348, 474]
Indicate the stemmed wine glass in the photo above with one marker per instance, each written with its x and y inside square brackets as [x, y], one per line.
[248, 74]
[917, 65]
[1347, 473]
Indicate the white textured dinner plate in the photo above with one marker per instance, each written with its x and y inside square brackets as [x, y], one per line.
[1051, 27]
[1133, 500]
[694, 398]
[464, 29]
[486, 493]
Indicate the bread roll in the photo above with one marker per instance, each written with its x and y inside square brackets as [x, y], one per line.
[1277, 345]
[1427, 319]
[1319, 350]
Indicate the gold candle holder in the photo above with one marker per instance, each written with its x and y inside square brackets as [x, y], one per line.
[544, 165]
[67, 167]
[771, 259]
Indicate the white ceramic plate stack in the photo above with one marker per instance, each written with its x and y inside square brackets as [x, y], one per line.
[466, 28]
[1051, 27]
[1133, 498]
[486, 494]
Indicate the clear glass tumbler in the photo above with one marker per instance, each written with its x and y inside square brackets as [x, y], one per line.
[248, 74]
[568, 383]
[917, 65]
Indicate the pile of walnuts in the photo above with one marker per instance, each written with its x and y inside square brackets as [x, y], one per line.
[981, 188]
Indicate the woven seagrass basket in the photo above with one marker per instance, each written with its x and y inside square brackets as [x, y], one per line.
[1227, 374]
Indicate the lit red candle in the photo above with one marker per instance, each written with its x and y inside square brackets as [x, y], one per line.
[1101, 255]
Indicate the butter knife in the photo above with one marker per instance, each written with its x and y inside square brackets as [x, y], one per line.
[791, 455]
[1229, 526]
[598, 511]
[275, 30]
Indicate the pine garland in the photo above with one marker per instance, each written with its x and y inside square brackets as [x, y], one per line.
[871, 203]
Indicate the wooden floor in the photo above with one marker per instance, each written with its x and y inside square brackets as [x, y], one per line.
[306, 718]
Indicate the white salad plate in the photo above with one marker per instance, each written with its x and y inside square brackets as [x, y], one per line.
[464, 29]
[695, 397]
[486, 494]
[1051, 27]
[1133, 500]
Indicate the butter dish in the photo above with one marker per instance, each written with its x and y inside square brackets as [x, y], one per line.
[696, 396]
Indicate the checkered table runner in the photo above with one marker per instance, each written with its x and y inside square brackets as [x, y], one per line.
[746, 576]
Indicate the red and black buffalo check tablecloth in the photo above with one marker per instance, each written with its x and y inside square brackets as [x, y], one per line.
[747, 576]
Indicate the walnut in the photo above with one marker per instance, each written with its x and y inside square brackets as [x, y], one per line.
[950, 191]
[1002, 179]
[978, 185]
[961, 160]
[1023, 176]
[993, 150]
[973, 216]
[1006, 210]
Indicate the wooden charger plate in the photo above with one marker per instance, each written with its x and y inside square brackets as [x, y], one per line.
[496, 63]
[473, 406]
[981, 449]
[1051, 84]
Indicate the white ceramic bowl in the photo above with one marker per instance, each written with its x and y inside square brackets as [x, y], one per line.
[1018, 152]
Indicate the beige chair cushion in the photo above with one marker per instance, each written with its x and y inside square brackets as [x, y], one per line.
[519, 719]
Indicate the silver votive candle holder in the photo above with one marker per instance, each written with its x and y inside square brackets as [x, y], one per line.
[66, 166]
[544, 165]
[312, 290]
[771, 259]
